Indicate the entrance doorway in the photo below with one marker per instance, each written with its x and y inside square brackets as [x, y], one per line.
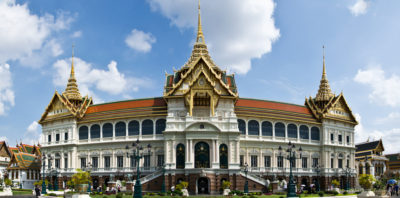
[202, 186]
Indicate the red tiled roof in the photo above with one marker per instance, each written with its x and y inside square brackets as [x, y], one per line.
[272, 105]
[150, 102]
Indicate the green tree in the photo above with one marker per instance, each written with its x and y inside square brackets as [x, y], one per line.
[366, 181]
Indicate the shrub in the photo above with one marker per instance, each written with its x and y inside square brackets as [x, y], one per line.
[226, 185]
[8, 182]
[366, 181]
[104, 196]
[245, 196]
[345, 193]
[81, 177]
[321, 193]
[119, 195]
[52, 194]
[335, 193]
[335, 183]
[253, 196]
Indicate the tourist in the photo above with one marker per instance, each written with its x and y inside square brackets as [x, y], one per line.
[396, 189]
[37, 191]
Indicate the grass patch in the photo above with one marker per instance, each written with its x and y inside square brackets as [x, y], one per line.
[15, 192]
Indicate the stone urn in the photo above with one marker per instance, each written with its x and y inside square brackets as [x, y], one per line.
[226, 192]
[366, 193]
[185, 192]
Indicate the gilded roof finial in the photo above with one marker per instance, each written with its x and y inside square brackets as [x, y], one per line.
[200, 36]
[72, 91]
[324, 93]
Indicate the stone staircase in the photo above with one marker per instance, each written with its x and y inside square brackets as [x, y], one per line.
[254, 178]
[151, 176]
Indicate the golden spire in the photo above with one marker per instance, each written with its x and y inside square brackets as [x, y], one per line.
[200, 36]
[72, 91]
[324, 93]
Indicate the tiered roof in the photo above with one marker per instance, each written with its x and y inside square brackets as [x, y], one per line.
[24, 156]
[369, 149]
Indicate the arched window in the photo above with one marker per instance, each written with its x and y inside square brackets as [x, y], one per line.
[266, 128]
[180, 156]
[133, 128]
[304, 132]
[83, 133]
[279, 129]
[120, 129]
[147, 127]
[242, 126]
[223, 156]
[160, 126]
[360, 169]
[201, 155]
[254, 127]
[314, 133]
[95, 131]
[107, 130]
[292, 131]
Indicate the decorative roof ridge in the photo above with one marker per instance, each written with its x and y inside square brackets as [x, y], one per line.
[264, 100]
[130, 100]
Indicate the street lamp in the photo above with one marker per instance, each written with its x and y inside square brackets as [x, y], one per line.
[347, 172]
[291, 157]
[163, 181]
[50, 167]
[317, 169]
[43, 158]
[137, 154]
[246, 184]
[88, 168]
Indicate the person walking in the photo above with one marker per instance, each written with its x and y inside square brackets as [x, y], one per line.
[37, 191]
[396, 189]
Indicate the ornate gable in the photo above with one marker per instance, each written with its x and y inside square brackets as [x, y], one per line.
[339, 109]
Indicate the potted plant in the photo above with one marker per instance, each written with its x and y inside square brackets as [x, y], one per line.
[335, 183]
[379, 187]
[366, 182]
[81, 180]
[226, 185]
[182, 187]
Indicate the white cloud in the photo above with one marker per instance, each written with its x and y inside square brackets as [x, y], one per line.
[6, 92]
[140, 41]
[235, 31]
[385, 89]
[3, 138]
[32, 134]
[76, 34]
[38, 58]
[359, 7]
[89, 79]
[391, 117]
[21, 32]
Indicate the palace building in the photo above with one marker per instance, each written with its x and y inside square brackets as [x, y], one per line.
[370, 158]
[201, 131]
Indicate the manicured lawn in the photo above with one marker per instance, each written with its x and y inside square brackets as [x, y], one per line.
[22, 192]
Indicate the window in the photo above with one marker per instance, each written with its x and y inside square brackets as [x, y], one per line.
[267, 161]
[146, 161]
[107, 130]
[254, 161]
[160, 126]
[57, 163]
[266, 128]
[95, 162]
[280, 161]
[66, 136]
[254, 127]
[315, 162]
[133, 161]
[292, 131]
[120, 161]
[340, 163]
[304, 162]
[331, 162]
[180, 156]
[223, 156]
[133, 128]
[348, 139]
[332, 138]
[49, 138]
[120, 129]
[57, 137]
[280, 130]
[95, 131]
[83, 163]
[65, 162]
[160, 160]
[242, 126]
[347, 163]
[340, 138]
[83, 133]
[315, 133]
[147, 127]
[107, 162]
[304, 132]
[241, 160]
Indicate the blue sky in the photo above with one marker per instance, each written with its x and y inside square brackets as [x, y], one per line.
[123, 49]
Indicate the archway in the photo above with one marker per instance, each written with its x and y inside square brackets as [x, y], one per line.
[202, 185]
[202, 155]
